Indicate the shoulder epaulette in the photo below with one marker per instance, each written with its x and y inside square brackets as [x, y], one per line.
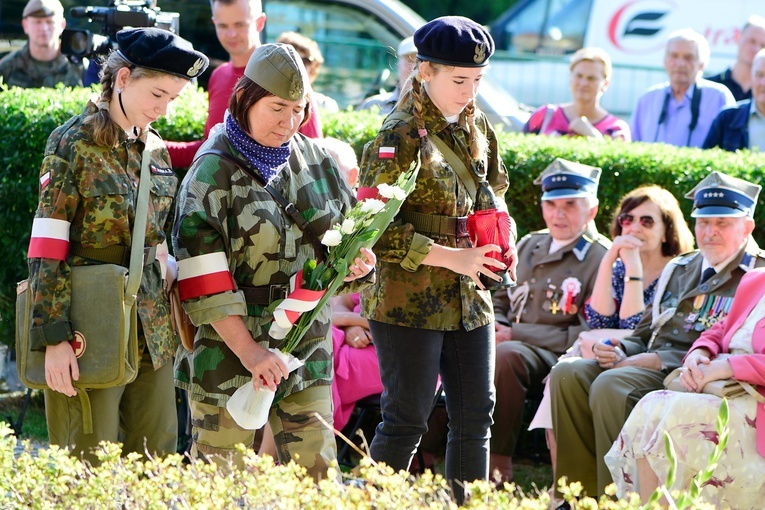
[684, 258]
[54, 142]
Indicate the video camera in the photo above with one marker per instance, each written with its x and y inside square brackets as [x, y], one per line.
[118, 15]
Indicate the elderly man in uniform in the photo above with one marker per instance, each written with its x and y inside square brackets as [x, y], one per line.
[679, 112]
[40, 62]
[591, 399]
[542, 317]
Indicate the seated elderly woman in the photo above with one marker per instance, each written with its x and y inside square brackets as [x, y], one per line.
[647, 231]
[733, 348]
[590, 76]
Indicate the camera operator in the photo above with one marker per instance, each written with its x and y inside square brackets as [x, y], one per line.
[40, 62]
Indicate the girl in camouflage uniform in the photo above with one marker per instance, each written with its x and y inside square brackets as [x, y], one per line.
[88, 192]
[428, 313]
[237, 249]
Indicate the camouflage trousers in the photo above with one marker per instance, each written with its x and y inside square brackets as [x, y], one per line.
[298, 434]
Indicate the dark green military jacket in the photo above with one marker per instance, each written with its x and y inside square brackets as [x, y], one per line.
[19, 69]
[408, 293]
[539, 308]
[696, 307]
[94, 189]
[222, 210]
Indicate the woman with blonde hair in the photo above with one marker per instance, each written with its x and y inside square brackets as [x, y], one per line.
[428, 312]
[590, 75]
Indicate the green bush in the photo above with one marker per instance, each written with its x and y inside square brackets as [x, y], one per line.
[28, 116]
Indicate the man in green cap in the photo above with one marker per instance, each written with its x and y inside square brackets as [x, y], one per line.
[40, 62]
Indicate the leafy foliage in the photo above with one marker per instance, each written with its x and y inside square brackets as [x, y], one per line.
[28, 116]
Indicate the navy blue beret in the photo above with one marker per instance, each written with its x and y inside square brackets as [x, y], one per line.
[161, 50]
[455, 41]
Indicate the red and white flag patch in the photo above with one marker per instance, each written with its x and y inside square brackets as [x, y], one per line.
[44, 180]
[386, 152]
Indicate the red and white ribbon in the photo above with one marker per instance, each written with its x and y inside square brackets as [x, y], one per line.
[571, 287]
[50, 239]
[298, 301]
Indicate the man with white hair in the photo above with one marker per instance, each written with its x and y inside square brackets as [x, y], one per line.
[750, 41]
[679, 112]
[743, 126]
[592, 398]
[39, 63]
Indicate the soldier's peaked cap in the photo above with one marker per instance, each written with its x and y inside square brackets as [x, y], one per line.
[567, 179]
[720, 195]
[161, 50]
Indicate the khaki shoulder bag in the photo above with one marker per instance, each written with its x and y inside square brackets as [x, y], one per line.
[103, 314]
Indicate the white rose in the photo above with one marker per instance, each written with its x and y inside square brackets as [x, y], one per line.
[385, 190]
[331, 238]
[398, 193]
[372, 205]
[348, 226]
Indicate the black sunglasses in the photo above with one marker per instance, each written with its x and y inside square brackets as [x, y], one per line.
[626, 219]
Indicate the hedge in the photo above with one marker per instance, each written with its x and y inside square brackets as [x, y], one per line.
[28, 116]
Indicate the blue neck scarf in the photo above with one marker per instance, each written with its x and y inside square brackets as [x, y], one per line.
[268, 161]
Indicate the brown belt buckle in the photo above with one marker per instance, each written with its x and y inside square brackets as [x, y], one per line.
[277, 292]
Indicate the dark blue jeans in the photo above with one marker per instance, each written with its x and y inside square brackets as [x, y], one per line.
[410, 362]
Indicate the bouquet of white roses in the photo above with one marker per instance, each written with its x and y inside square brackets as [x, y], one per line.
[312, 286]
[317, 282]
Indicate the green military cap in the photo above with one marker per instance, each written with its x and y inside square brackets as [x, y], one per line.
[566, 179]
[279, 69]
[722, 196]
[42, 8]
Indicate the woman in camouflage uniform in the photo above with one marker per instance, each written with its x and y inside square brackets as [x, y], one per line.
[88, 192]
[237, 249]
[429, 314]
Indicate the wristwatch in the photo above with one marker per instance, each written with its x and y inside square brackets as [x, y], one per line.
[628, 279]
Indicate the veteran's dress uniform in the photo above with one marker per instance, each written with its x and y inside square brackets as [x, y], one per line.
[591, 404]
[427, 320]
[85, 215]
[237, 249]
[546, 309]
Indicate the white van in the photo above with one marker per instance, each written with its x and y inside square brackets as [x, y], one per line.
[536, 37]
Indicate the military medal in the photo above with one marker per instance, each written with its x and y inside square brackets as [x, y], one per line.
[694, 315]
[571, 288]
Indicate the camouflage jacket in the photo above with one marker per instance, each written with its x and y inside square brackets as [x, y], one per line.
[19, 69]
[694, 307]
[94, 190]
[408, 293]
[536, 308]
[223, 211]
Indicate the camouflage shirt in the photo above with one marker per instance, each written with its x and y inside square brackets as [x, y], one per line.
[408, 293]
[19, 69]
[223, 211]
[94, 189]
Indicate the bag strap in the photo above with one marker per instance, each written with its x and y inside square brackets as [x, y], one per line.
[135, 271]
[289, 207]
[457, 164]
[454, 161]
[747, 387]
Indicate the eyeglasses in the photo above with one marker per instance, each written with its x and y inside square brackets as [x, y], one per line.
[626, 219]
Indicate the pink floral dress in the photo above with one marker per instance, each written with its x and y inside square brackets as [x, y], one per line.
[691, 421]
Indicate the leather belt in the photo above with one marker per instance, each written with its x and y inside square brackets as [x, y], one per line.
[265, 294]
[436, 223]
[115, 254]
